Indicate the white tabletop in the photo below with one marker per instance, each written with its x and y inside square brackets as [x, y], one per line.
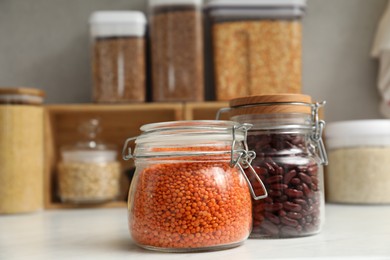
[350, 232]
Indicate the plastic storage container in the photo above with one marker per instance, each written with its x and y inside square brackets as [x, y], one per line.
[359, 162]
[286, 136]
[176, 36]
[189, 191]
[89, 171]
[118, 56]
[257, 46]
[21, 150]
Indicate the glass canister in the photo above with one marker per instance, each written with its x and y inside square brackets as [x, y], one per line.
[359, 162]
[118, 56]
[89, 171]
[176, 34]
[257, 46]
[287, 138]
[21, 150]
[189, 191]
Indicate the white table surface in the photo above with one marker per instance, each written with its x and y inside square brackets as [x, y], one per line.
[350, 232]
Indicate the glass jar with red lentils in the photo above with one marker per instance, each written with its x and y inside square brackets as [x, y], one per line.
[286, 136]
[191, 190]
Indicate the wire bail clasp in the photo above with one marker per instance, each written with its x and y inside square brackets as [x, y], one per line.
[126, 151]
[243, 160]
[318, 130]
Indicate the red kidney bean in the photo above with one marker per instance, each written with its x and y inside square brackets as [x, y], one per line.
[271, 217]
[288, 176]
[289, 221]
[260, 170]
[288, 231]
[279, 186]
[308, 192]
[294, 215]
[273, 207]
[293, 193]
[305, 178]
[270, 227]
[274, 193]
[295, 181]
[273, 179]
[293, 204]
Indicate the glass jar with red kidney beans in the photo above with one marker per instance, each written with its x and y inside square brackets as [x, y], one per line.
[286, 136]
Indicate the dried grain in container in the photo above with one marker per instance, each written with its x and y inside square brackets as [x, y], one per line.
[176, 35]
[118, 56]
[21, 150]
[189, 191]
[257, 46]
[286, 136]
[359, 162]
[89, 171]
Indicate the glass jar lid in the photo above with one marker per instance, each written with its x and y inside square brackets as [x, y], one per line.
[89, 148]
[21, 95]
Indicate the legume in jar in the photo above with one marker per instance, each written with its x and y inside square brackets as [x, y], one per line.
[186, 195]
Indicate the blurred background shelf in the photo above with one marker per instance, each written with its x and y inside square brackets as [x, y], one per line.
[118, 122]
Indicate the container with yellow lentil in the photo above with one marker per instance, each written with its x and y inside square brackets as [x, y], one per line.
[21, 150]
[189, 191]
[256, 46]
[89, 171]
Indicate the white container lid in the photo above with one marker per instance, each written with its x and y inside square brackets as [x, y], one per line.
[117, 23]
[89, 156]
[256, 3]
[358, 133]
[154, 3]
[256, 9]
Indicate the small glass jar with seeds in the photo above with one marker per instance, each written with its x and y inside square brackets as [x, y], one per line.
[176, 34]
[89, 171]
[118, 56]
[287, 138]
[256, 46]
[190, 190]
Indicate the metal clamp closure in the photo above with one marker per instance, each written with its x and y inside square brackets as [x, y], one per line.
[244, 160]
[126, 151]
[318, 126]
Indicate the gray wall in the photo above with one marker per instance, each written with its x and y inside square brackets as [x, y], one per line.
[44, 43]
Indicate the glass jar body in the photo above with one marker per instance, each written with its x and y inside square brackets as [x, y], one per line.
[119, 69]
[89, 182]
[188, 205]
[176, 33]
[287, 163]
[256, 52]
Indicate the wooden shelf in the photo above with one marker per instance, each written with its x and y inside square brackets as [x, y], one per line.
[118, 122]
[204, 110]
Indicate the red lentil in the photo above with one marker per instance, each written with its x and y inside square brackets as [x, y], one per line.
[182, 205]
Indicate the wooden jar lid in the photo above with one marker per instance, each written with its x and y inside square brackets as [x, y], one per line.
[271, 104]
[21, 91]
[21, 96]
